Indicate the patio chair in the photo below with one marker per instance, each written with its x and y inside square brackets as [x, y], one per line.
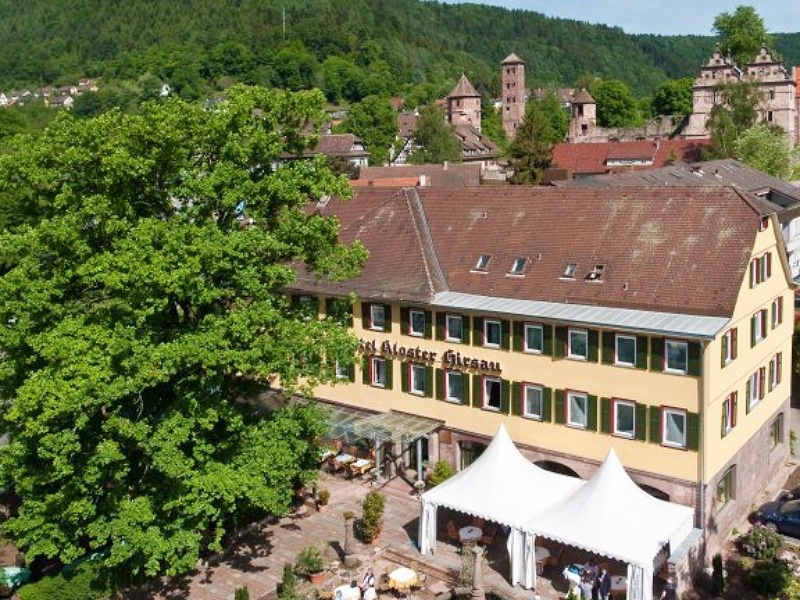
[488, 538]
[555, 558]
[452, 532]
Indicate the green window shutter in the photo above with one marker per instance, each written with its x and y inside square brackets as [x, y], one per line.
[547, 404]
[365, 370]
[477, 331]
[560, 350]
[641, 422]
[547, 340]
[519, 333]
[722, 432]
[477, 392]
[404, 320]
[722, 351]
[505, 394]
[591, 421]
[440, 325]
[516, 398]
[561, 415]
[752, 272]
[428, 324]
[608, 347]
[593, 341]
[695, 359]
[389, 373]
[328, 306]
[440, 382]
[746, 398]
[365, 315]
[655, 424]
[605, 414]
[405, 376]
[641, 351]
[753, 331]
[351, 372]
[428, 382]
[657, 355]
[505, 334]
[692, 431]
[388, 312]
[465, 322]
[465, 388]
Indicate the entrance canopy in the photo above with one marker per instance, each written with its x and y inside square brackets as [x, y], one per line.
[350, 425]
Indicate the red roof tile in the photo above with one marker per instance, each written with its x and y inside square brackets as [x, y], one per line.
[593, 158]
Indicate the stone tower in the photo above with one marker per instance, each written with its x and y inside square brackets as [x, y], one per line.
[514, 94]
[584, 116]
[464, 105]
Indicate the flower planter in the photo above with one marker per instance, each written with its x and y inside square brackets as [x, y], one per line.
[317, 578]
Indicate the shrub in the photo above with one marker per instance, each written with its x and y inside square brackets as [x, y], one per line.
[323, 497]
[760, 542]
[81, 584]
[241, 593]
[372, 517]
[769, 577]
[717, 576]
[441, 471]
[309, 561]
[287, 583]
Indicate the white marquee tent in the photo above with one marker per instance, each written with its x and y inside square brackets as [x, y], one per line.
[611, 516]
[500, 486]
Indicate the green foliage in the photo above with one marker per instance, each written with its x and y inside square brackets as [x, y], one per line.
[441, 472]
[717, 576]
[673, 97]
[309, 561]
[793, 442]
[741, 34]
[435, 139]
[241, 593]
[138, 311]
[288, 582]
[728, 119]
[760, 542]
[616, 105]
[84, 583]
[769, 577]
[371, 521]
[765, 148]
[532, 146]
[323, 497]
[375, 122]
[550, 106]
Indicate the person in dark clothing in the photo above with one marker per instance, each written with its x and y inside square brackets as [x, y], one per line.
[604, 583]
[670, 590]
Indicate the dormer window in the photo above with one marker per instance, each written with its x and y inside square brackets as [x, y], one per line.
[569, 271]
[596, 274]
[518, 265]
[483, 262]
[763, 224]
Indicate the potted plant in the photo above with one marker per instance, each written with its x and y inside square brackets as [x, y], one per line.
[310, 563]
[372, 517]
[323, 497]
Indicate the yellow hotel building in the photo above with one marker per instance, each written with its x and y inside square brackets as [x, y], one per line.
[657, 321]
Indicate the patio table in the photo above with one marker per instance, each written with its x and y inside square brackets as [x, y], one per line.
[402, 579]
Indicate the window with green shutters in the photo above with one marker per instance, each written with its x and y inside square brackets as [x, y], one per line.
[377, 372]
[377, 317]
[346, 372]
[452, 386]
[559, 409]
[477, 331]
[452, 327]
[415, 322]
[533, 338]
[418, 379]
[560, 345]
[641, 422]
[674, 356]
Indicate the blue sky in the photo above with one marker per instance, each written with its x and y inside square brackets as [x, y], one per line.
[667, 17]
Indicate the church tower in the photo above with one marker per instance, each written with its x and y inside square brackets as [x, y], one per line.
[464, 105]
[513, 94]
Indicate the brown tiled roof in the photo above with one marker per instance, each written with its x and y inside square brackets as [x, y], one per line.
[392, 182]
[474, 143]
[336, 144]
[512, 58]
[592, 158]
[583, 97]
[673, 249]
[450, 175]
[464, 89]
[407, 124]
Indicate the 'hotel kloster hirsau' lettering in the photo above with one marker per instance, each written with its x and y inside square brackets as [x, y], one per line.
[450, 359]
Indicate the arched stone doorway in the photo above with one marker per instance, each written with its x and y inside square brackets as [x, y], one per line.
[556, 467]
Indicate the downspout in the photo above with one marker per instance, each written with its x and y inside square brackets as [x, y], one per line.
[701, 445]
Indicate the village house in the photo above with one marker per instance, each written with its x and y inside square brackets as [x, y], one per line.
[654, 321]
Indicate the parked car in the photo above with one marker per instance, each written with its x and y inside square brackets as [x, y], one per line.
[783, 516]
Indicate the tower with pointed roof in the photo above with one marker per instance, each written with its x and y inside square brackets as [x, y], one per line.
[464, 104]
[514, 94]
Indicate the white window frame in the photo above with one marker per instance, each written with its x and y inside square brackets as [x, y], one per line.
[777, 311]
[728, 414]
[376, 310]
[729, 345]
[755, 388]
[486, 393]
[482, 263]
[578, 397]
[577, 332]
[759, 321]
[531, 327]
[775, 367]
[454, 318]
[518, 266]
[342, 372]
[492, 324]
[626, 404]
[617, 361]
[411, 330]
[416, 376]
[726, 485]
[671, 369]
[377, 366]
[532, 389]
[667, 412]
[447, 395]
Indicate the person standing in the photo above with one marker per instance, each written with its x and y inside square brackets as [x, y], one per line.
[604, 583]
[670, 590]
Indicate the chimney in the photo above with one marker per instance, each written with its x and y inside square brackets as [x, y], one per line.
[423, 181]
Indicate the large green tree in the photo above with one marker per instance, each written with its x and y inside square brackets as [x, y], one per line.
[435, 140]
[531, 150]
[765, 148]
[741, 34]
[616, 105]
[143, 260]
[736, 111]
[673, 98]
[375, 122]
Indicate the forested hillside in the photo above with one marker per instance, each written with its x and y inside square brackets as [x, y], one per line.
[350, 48]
